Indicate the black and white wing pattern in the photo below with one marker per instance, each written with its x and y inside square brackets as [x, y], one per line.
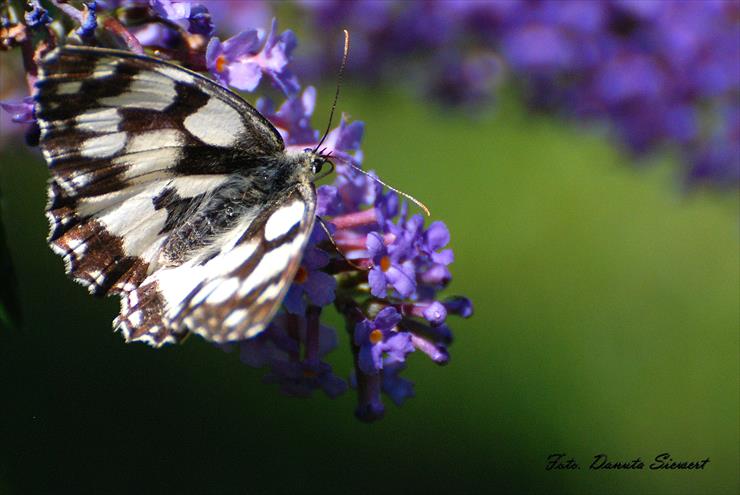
[159, 193]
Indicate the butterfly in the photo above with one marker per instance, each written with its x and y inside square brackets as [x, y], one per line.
[171, 192]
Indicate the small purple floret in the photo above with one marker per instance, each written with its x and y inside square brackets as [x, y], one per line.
[316, 285]
[22, 112]
[293, 118]
[90, 21]
[241, 60]
[38, 16]
[379, 342]
[389, 268]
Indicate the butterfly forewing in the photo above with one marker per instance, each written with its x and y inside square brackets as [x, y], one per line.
[151, 195]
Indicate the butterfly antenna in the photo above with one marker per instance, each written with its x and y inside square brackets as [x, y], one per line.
[407, 196]
[333, 243]
[339, 83]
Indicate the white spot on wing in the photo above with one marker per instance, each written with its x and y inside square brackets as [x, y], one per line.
[235, 317]
[105, 67]
[175, 74]
[103, 146]
[224, 291]
[272, 264]
[99, 120]
[136, 221]
[97, 277]
[219, 266]
[255, 330]
[271, 292]
[69, 88]
[136, 318]
[187, 187]
[175, 284]
[147, 90]
[148, 162]
[154, 140]
[231, 260]
[204, 292]
[77, 246]
[217, 123]
[283, 220]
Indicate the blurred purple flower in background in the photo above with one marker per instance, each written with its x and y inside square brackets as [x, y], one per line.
[661, 72]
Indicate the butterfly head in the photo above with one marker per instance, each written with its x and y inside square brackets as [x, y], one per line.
[316, 161]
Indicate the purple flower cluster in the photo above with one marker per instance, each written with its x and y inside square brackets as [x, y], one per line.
[391, 268]
[380, 266]
[662, 72]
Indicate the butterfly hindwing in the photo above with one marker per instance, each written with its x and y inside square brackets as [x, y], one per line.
[233, 292]
[144, 157]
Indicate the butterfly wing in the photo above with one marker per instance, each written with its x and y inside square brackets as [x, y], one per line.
[232, 293]
[121, 133]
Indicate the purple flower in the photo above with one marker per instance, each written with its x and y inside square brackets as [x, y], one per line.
[310, 281]
[345, 138]
[241, 60]
[21, 111]
[435, 238]
[200, 21]
[279, 348]
[437, 351]
[389, 268]
[538, 48]
[398, 389]
[293, 118]
[235, 15]
[173, 10]
[629, 77]
[461, 306]
[658, 71]
[38, 16]
[300, 379]
[379, 342]
[89, 22]
[354, 190]
[387, 205]
[434, 312]
[327, 201]
[467, 81]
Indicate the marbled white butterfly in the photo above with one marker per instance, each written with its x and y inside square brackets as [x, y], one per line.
[172, 192]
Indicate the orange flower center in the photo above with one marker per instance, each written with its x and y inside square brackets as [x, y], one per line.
[376, 336]
[220, 63]
[301, 275]
[310, 373]
[385, 263]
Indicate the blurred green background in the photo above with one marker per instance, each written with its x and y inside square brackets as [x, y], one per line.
[607, 317]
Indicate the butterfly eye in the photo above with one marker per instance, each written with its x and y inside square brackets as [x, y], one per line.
[316, 164]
